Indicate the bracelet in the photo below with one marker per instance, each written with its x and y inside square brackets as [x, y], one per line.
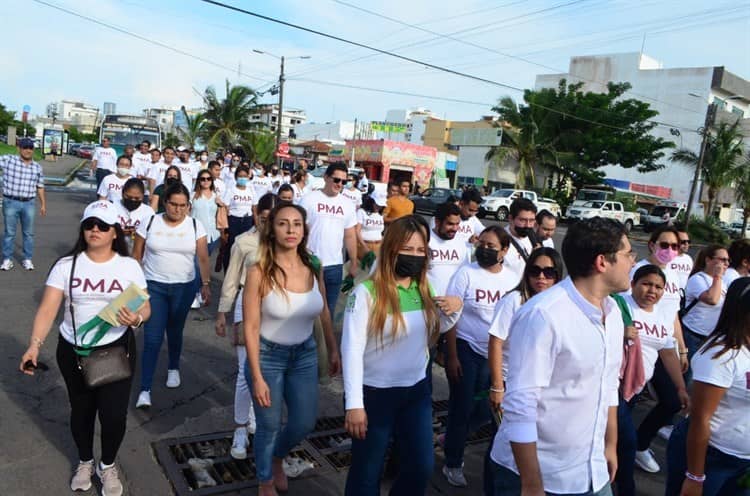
[37, 341]
[683, 353]
[497, 390]
[695, 478]
[206, 283]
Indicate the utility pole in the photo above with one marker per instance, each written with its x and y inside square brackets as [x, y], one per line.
[281, 104]
[710, 113]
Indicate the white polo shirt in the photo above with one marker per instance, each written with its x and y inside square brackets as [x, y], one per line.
[106, 158]
[327, 218]
[563, 378]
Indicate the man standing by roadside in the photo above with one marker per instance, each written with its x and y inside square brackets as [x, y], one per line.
[23, 180]
[565, 357]
[546, 223]
[521, 219]
[104, 161]
[332, 222]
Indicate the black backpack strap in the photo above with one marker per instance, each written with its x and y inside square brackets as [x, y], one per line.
[150, 221]
[685, 310]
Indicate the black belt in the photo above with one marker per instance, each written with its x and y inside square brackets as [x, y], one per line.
[18, 198]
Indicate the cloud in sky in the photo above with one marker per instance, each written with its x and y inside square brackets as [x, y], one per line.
[66, 57]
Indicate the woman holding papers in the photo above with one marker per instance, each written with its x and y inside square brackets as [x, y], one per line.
[96, 271]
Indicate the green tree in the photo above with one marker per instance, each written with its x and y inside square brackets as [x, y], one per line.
[228, 121]
[8, 118]
[724, 149]
[170, 139]
[260, 146]
[742, 190]
[194, 131]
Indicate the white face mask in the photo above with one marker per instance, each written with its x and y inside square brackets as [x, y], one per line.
[123, 171]
[204, 158]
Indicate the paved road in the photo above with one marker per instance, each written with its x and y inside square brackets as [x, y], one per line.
[38, 451]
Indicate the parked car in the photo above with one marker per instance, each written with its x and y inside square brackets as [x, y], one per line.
[73, 149]
[428, 201]
[86, 151]
[735, 230]
[605, 209]
[498, 203]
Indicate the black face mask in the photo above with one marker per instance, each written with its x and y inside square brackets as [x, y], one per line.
[523, 232]
[486, 257]
[464, 217]
[131, 204]
[170, 181]
[409, 265]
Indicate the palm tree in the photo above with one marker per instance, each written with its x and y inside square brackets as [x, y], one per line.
[742, 190]
[723, 150]
[194, 130]
[228, 121]
[260, 146]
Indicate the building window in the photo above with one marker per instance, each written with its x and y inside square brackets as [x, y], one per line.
[738, 111]
[273, 128]
[273, 118]
[720, 104]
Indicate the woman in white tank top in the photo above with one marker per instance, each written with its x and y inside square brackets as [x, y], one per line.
[284, 294]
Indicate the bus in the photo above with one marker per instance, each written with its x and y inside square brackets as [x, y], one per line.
[129, 130]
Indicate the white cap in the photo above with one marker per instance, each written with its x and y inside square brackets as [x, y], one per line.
[181, 149]
[380, 198]
[102, 210]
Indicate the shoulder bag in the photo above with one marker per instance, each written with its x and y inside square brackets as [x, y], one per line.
[103, 365]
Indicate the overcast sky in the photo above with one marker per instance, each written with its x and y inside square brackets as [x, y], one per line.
[52, 55]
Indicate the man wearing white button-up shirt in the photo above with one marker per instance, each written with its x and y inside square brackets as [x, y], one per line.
[559, 431]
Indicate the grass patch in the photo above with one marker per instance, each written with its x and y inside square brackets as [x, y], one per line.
[6, 149]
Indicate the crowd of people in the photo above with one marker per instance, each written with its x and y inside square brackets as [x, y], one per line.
[555, 363]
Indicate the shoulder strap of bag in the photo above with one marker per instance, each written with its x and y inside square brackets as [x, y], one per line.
[520, 249]
[685, 310]
[70, 300]
[150, 221]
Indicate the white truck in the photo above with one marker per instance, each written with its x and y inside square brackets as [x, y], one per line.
[498, 203]
[665, 212]
[606, 209]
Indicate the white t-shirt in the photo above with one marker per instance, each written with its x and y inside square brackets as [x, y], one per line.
[157, 171]
[299, 193]
[135, 218]
[170, 251]
[480, 291]
[702, 318]
[141, 163]
[656, 331]
[95, 285]
[683, 266]
[327, 218]
[670, 300]
[354, 195]
[446, 256]
[500, 324]
[240, 201]
[111, 187]
[372, 225]
[189, 172]
[261, 185]
[513, 259]
[548, 243]
[730, 423]
[106, 158]
[730, 275]
[466, 228]
[220, 188]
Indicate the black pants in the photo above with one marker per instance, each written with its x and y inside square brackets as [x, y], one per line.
[237, 226]
[109, 401]
[662, 414]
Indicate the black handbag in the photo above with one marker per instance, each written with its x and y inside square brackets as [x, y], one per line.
[99, 366]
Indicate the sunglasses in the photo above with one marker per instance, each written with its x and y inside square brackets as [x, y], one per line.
[206, 178]
[92, 222]
[684, 241]
[536, 271]
[338, 180]
[664, 245]
[721, 259]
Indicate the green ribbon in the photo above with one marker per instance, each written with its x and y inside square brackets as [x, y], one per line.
[95, 323]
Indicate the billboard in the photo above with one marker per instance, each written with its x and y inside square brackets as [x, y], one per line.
[388, 127]
[52, 142]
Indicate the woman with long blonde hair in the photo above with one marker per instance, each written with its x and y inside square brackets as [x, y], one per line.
[390, 322]
[284, 294]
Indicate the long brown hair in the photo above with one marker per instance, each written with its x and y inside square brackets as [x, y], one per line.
[732, 330]
[700, 261]
[384, 281]
[272, 275]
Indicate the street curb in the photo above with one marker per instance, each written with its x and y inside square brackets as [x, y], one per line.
[62, 181]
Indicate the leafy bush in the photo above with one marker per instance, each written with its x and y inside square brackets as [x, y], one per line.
[707, 231]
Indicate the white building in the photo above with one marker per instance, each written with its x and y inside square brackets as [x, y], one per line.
[164, 115]
[414, 119]
[680, 95]
[109, 108]
[290, 118]
[81, 115]
[334, 132]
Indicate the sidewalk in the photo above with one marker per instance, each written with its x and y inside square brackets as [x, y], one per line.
[38, 451]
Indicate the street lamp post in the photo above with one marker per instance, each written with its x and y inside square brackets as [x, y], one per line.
[710, 113]
[281, 90]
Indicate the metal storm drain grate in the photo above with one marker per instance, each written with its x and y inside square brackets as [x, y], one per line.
[327, 448]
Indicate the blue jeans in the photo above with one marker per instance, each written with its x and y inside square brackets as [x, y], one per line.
[333, 279]
[291, 373]
[13, 211]
[500, 481]
[693, 342]
[465, 413]
[101, 174]
[627, 441]
[170, 304]
[722, 471]
[406, 414]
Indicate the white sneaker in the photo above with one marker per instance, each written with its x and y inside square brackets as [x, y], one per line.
[7, 264]
[144, 400]
[239, 444]
[455, 476]
[173, 379]
[646, 461]
[81, 480]
[251, 421]
[27, 264]
[111, 485]
[666, 432]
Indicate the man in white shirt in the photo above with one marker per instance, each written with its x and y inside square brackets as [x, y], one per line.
[142, 159]
[363, 184]
[546, 223]
[332, 222]
[351, 192]
[104, 161]
[447, 251]
[521, 221]
[559, 429]
[189, 169]
[471, 227]
[220, 187]
[682, 263]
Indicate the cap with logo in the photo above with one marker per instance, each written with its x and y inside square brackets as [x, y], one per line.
[102, 210]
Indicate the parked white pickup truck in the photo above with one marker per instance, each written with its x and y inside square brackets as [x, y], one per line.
[607, 209]
[498, 203]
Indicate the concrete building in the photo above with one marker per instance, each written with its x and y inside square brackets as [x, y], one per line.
[414, 121]
[334, 132]
[81, 115]
[290, 118]
[163, 115]
[109, 108]
[681, 97]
